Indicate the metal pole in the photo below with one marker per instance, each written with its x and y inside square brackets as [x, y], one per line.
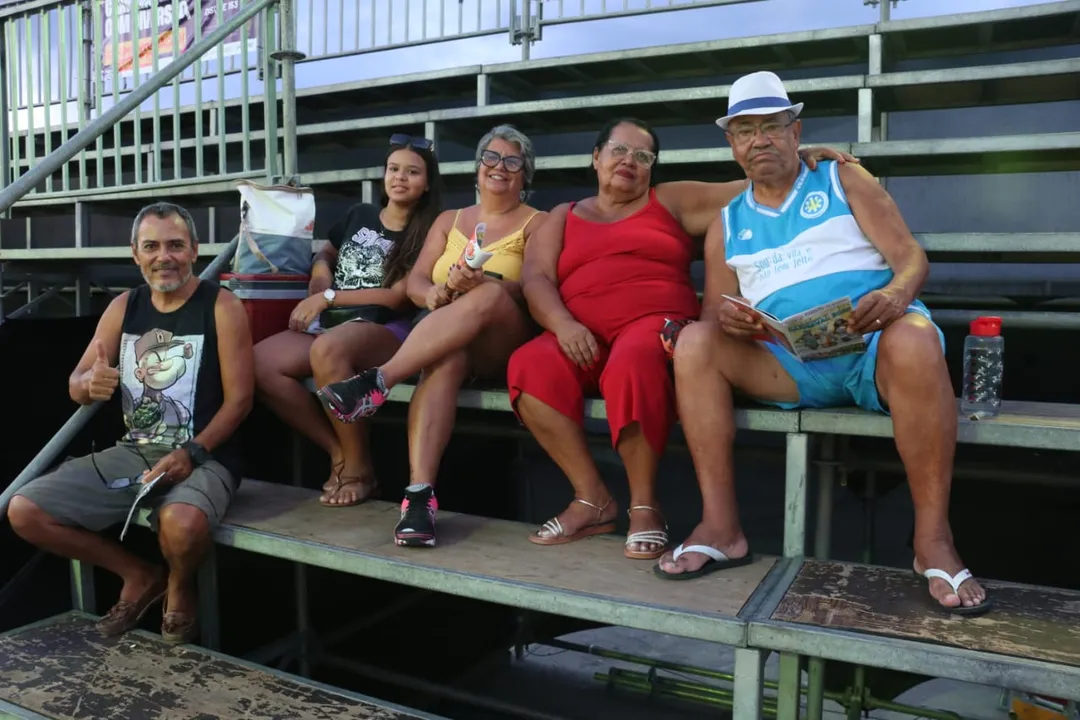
[526, 29]
[78, 420]
[5, 126]
[288, 56]
[56, 159]
[270, 99]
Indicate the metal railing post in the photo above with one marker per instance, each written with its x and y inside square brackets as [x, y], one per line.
[269, 70]
[5, 107]
[288, 56]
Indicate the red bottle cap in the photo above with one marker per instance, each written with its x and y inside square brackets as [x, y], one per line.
[986, 326]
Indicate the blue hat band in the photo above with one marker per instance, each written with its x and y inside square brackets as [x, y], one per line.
[755, 103]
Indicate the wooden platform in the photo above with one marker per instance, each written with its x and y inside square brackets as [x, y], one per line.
[491, 560]
[62, 668]
[1031, 622]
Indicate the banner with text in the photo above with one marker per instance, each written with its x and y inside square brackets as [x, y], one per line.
[134, 26]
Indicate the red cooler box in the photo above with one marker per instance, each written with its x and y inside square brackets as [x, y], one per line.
[269, 299]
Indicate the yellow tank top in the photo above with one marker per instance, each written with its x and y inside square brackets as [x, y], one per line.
[509, 253]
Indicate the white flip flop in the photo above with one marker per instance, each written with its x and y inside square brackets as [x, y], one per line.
[717, 561]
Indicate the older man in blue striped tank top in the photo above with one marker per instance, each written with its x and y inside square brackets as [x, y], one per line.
[794, 240]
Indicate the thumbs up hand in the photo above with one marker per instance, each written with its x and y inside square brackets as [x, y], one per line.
[103, 378]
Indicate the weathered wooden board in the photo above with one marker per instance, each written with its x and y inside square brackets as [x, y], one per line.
[65, 669]
[1026, 620]
[485, 547]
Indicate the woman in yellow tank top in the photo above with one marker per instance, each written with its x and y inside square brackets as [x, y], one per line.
[473, 320]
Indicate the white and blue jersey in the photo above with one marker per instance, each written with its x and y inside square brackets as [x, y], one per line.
[805, 253]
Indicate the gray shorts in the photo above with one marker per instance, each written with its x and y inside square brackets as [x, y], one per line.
[78, 494]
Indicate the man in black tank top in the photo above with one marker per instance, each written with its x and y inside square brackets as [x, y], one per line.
[177, 351]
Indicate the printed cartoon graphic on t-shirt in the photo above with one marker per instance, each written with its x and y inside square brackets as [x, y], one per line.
[360, 260]
[159, 373]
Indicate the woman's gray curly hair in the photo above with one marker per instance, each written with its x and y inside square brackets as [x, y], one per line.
[511, 134]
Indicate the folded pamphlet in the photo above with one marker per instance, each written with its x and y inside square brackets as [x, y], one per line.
[819, 333]
[145, 490]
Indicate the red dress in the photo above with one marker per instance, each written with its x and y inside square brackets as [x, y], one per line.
[620, 280]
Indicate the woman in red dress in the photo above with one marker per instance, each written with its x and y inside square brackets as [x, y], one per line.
[601, 276]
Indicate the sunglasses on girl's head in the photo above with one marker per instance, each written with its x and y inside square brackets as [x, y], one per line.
[403, 140]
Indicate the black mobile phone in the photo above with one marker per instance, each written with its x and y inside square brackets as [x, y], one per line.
[497, 276]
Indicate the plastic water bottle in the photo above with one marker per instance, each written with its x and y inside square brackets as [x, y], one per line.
[984, 365]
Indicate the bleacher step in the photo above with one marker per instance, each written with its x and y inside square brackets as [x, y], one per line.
[62, 668]
[491, 560]
[1034, 624]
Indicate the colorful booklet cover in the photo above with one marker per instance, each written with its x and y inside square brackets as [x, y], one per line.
[815, 334]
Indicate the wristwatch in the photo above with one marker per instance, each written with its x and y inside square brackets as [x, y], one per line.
[329, 294]
[197, 452]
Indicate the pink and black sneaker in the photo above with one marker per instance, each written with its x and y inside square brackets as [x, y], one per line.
[417, 525]
[359, 396]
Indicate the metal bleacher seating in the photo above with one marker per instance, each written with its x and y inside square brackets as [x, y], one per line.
[792, 604]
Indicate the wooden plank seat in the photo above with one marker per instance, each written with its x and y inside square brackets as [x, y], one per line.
[497, 399]
[1037, 425]
[883, 617]
[62, 668]
[491, 560]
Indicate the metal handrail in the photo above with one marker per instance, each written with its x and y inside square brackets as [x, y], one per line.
[81, 140]
[48, 454]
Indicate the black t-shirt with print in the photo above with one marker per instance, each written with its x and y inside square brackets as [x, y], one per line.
[362, 243]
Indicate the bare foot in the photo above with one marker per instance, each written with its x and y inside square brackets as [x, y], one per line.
[351, 490]
[940, 554]
[646, 518]
[733, 545]
[578, 515]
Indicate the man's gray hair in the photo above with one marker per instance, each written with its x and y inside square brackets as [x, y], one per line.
[511, 134]
[164, 210]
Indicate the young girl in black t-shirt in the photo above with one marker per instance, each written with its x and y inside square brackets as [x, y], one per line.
[356, 314]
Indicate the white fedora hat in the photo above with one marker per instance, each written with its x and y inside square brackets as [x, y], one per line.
[760, 93]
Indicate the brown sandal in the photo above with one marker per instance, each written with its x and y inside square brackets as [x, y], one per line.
[557, 534]
[335, 478]
[648, 537]
[344, 482]
[124, 615]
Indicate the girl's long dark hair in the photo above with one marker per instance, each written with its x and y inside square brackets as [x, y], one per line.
[400, 260]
